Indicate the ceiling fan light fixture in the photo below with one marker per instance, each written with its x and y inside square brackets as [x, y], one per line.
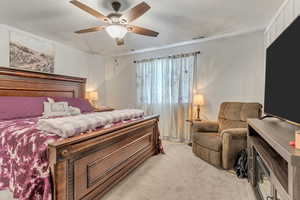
[116, 31]
[117, 24]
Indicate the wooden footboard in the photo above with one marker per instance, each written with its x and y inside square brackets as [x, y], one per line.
[87, 166]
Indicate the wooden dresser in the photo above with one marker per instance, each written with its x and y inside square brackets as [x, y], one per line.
[268, 143]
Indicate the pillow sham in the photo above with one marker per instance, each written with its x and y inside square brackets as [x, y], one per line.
[21, 107]
[74, 110]
[83, 104]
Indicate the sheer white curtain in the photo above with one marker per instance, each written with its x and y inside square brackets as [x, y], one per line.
[165, 87]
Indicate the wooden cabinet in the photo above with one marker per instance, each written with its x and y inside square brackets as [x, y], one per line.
[269, 140]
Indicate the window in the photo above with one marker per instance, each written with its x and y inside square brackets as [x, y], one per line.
[165, 80]
[164, 86]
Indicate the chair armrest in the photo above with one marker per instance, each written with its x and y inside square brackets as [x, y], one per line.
[234, 132]
[233, 141]
[205, 126]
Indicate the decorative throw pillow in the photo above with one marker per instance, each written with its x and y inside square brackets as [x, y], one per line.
[83, 104]
[55, 109]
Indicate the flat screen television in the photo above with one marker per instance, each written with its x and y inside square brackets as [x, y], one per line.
[282, 87]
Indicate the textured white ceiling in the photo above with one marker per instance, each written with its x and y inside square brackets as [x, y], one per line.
[175, 20]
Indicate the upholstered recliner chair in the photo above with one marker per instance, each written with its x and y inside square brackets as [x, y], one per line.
[218, 143]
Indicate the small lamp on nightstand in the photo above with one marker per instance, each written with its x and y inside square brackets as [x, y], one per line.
[93, 97]
[198, 101]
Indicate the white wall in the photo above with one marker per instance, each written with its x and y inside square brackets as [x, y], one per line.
[229, 69]
[68, 61]
[4, 47]
[96, 77]
[120, 82]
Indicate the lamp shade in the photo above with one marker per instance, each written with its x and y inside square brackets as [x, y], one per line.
[116, 31]
[93, 96]
[198, 99]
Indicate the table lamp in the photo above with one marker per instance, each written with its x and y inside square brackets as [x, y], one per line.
[198, 101]
[93, 98]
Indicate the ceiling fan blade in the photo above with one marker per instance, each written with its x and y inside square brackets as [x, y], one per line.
[90, 10]
[142, 31]
[120, 42]
[93, 29]
[135, 12]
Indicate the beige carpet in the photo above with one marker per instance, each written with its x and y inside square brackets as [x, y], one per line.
[180, 175]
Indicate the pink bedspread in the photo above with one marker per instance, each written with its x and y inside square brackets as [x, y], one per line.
[24, 164]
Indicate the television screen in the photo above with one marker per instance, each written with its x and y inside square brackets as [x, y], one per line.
[282, 89]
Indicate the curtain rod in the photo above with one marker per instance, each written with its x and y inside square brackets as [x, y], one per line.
[172, 56]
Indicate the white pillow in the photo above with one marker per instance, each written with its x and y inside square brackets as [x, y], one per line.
[55, 109]
[74, 110]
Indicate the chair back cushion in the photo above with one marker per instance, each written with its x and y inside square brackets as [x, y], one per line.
[235, 114]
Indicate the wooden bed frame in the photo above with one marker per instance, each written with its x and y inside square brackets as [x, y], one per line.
[85, 167]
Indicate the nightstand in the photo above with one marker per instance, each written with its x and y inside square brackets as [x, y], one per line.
[191, 121]
[103, 109]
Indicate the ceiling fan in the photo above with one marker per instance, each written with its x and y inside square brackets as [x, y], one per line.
[117, 23]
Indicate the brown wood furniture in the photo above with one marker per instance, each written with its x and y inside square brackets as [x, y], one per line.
[103, 109]
[270, 138]
[87, 166]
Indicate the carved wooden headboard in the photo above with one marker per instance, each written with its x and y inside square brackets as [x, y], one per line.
[14, 82]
